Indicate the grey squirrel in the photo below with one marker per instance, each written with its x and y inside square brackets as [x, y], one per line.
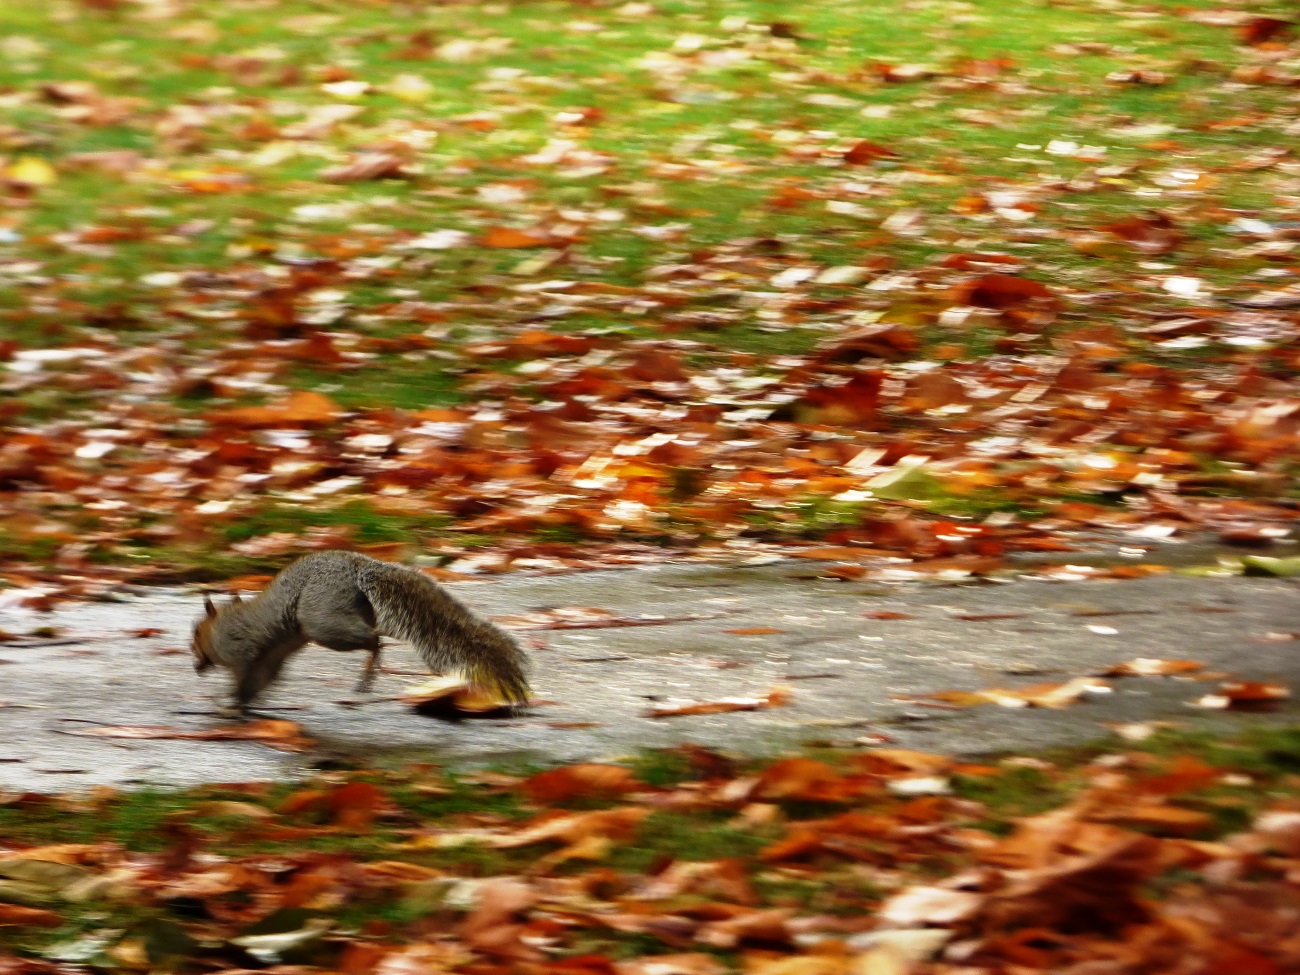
[347, 601]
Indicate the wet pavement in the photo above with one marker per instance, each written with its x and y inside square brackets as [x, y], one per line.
[847, 671]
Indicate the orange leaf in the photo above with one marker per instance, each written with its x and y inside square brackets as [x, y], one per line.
[355, 804]
[587, 781]
[300, 409]
[1151, 667]
[15, 915]
[1162, 820]
[509, 237]
[846, 571]
[805, 779]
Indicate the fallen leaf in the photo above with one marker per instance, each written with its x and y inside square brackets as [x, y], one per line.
[367, 166]
[15, 915]
[453, 697]
[1244, 695]
[1152, 667]
[587, 781]
[777, 697]
[277, 733]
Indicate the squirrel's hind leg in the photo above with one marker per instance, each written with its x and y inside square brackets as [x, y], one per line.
[372, 667]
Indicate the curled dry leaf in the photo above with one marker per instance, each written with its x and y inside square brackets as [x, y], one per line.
[452, 697]
[1245, 695]
[777, 697]
[1055, 695]
[1152, 667]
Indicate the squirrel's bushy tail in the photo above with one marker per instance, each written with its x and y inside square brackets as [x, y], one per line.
[445, 633]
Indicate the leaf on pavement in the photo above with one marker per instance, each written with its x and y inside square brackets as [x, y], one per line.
[1245, 695]
[454, 697]
[277, 733]
[1152, 667]
[777, 697]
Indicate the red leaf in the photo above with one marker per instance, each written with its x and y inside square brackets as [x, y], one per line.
[865, 151]
[1261, 30]
[1003, 291]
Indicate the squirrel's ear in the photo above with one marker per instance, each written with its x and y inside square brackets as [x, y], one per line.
[236, 599]
[208, 607]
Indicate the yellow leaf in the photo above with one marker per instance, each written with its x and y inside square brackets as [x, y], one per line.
[31, 171]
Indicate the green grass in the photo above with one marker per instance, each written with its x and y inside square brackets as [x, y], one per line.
[367, 525]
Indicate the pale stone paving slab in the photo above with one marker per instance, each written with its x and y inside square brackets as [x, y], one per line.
[845, 670]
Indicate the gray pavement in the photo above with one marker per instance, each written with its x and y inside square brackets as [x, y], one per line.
[845, 669]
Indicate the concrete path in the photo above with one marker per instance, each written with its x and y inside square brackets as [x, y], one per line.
[845, 669]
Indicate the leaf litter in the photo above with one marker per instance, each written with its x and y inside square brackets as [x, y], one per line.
[425, 327]
[905, 859]
[941, 369]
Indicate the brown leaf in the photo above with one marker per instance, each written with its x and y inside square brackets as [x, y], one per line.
[805, 779]
[15, 915]
[620, 824]
[1099, 892]
[277, 733]
[366, 166]
[492, 927]
[1245, 695]
[351, 806]
[1153, 234]
[1262, 30]
[589, 781]
[1159, 819]
[1004, 291]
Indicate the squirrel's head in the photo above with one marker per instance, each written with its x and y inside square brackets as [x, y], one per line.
[202, 645]
[203, 639]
